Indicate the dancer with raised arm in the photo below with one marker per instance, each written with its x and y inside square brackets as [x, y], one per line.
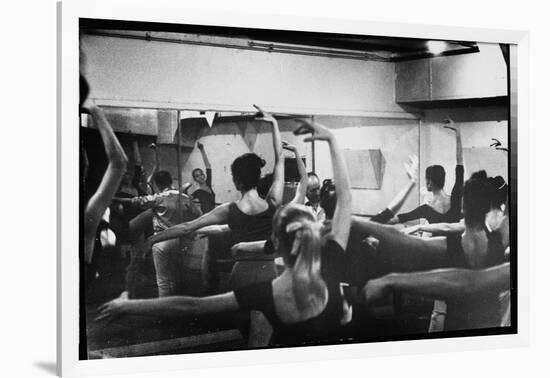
[101, 199]
[441, 208]
[301, 189]
[304, 304]
[201, 188]
[250, 217]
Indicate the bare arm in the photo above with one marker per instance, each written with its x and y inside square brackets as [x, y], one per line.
[217, 216]
[300, 196]
[213, 230]
[451, 126]
[395, 240]
[156, 167]
[443, 228]
[204, 156]
[135, 152]
[139, 181]
[342, 214]
[412, 171]
[275, 194]
[142, 202]
[439, 284]
[244, 249]
[98, 203]
[169, 306]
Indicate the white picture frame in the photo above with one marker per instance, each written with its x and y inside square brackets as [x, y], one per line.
[68, 193]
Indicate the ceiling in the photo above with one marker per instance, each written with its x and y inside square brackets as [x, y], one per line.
[308, 43]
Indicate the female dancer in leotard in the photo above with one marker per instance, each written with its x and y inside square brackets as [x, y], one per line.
[304, 304]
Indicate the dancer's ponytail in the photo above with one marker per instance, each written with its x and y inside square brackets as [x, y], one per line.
[308, 285]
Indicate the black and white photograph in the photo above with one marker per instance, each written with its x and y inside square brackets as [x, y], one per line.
[275, 189]
[246, 188]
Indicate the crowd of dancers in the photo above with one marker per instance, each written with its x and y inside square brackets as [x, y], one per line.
[306, 265]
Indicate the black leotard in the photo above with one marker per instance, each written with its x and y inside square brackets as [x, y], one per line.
[479, 310]
[246, 228]
[206, 198]
[324, 327]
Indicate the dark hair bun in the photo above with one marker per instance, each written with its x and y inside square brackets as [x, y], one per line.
[479, 175]
[499, 189]
[256, 161]
[246, 169]
[497, 182]
[261, 162]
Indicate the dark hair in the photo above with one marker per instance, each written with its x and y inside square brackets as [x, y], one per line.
[436, 174]
[481, 194]
[163, 179]
[499, 189]
[265, 184]
[196, 170]
[246, 171]
[84, 89]
[328, 198]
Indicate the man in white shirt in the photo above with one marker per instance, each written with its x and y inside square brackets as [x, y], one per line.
[167, 255]
[313, 195]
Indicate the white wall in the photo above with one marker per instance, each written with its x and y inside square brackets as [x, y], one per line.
[482, 74]
[156, 74]
[186, 76]
[474, 75]
[223, 143]
[397, 140]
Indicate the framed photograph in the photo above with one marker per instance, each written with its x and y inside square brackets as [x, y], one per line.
[238, 187]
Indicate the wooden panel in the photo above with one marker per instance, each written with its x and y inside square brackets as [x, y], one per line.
[168, 124]
[477, 75]
[166, 346]
[140, 122]
[190, 129]
[469, 76]
[412, 81]
[136, 121]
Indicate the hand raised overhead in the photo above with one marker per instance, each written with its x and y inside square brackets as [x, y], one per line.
[318, 131]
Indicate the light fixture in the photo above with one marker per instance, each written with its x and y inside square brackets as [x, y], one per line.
[436, 47]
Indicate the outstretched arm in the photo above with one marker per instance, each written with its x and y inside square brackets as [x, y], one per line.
[341, 221]
[412, 171]
[454, 213]
[248, 250]
[169, 306]
[439, 284]
[451, 126]
[300, 196]
[216, 229]
[135, 151]
[275, 194]
[217, 216]
[437, 228]
[207, 164]
[156, 167]
[139, 181]
[204, 156]
[98, 203]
